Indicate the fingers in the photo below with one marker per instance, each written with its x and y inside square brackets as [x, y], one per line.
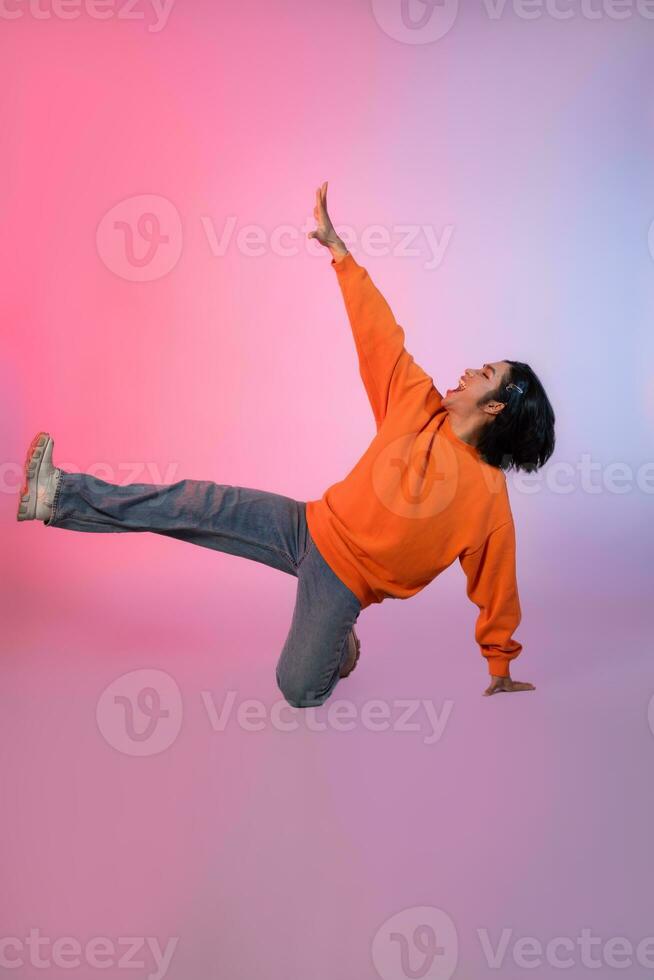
[321, 196]
[508, 686]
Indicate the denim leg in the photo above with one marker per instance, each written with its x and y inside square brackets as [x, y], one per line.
[325, 612]
[265, 527]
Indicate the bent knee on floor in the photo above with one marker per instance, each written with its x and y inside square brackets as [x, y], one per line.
[299, 694]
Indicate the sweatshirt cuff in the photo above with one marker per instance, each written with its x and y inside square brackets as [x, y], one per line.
[347, 262]
[498, 666]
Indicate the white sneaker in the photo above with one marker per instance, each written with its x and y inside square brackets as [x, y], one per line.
[40, 481]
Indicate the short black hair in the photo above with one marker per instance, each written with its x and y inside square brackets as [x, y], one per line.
[521, 436]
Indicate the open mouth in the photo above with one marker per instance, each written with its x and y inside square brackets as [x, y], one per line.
[460, 387]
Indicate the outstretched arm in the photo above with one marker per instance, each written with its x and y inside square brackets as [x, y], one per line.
[387, 369]
[491, 584]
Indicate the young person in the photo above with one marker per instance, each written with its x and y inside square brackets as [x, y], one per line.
[429, 489]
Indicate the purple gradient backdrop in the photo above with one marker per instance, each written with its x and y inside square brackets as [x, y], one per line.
[272, 853]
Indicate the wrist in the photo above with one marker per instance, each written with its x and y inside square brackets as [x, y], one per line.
[338, 249]
[499, 667]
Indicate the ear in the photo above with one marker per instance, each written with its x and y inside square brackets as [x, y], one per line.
[493, 408]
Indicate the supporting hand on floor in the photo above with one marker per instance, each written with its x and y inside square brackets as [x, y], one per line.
[500, 684]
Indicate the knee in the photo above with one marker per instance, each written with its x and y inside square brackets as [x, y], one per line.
[300, 694]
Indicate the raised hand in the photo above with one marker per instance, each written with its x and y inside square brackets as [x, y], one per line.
[325, 232]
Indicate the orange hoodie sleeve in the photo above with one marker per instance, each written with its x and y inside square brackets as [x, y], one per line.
[491, 574]
[386, 367]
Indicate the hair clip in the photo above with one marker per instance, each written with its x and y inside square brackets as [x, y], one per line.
[517, 387]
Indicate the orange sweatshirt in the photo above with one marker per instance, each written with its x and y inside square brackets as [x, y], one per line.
[419, 497]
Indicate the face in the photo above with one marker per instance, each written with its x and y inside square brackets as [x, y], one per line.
[474, 384]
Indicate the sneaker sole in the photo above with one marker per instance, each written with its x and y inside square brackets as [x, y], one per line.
[27, 503]
[356, 655]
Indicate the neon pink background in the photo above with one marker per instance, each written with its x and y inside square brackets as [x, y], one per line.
[276, 854]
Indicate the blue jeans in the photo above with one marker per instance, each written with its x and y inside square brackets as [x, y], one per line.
[264, 527]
